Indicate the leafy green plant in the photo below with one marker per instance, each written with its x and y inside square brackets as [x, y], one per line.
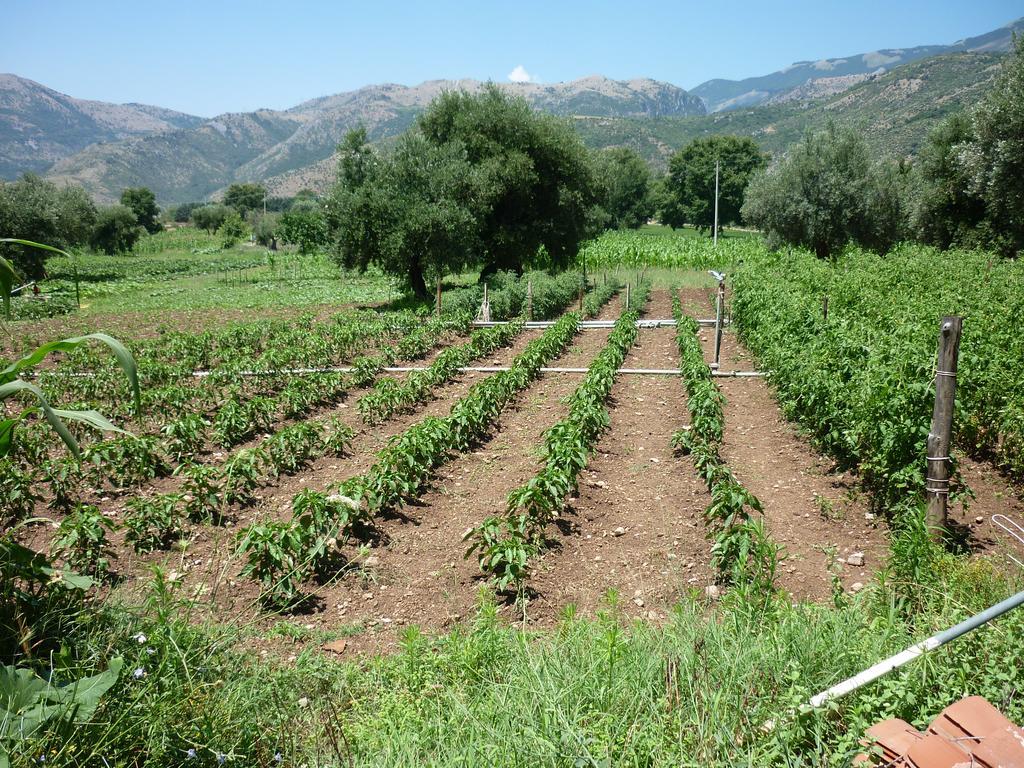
[64, 478]
[29, 704]
[243, 474]
[184, 437]
[293, 447]
[82, 540]
[125, 462]
[273, 557]
[153, 522]
[17, 495]
[337, 436]
[201, 492]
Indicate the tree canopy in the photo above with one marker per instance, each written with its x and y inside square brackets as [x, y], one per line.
[37, 210]
[827, 192]
[688, 194]
[210, 217]
[625, 183]
[479, 178]
[116, 231]
[142, 202]
[970, 174]
[245, 197]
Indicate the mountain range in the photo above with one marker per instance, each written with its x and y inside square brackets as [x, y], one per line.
[824, 75]
[894, 97]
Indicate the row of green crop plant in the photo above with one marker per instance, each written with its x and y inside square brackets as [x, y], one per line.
[638, 250]
[125, 462]
[403, 466]
[505, 544]
[507, 295]
[391, 395]
[167, 363]
[741, 550]
[861, 381]
[157, 521]
[601, 294]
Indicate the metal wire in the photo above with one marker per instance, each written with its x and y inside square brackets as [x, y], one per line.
[1013, 528]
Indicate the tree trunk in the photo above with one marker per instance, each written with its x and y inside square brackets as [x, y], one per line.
[416, 281]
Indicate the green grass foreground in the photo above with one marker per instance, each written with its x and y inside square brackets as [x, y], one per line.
[716, 685]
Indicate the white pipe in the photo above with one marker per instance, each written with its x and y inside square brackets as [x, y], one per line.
[654, 323]
[918, 649]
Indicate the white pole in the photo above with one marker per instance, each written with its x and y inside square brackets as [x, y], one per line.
[716, 203]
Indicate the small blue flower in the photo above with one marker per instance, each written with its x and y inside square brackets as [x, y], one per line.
[278, 757]
[139, 673]
[192, 754]
[221, 758]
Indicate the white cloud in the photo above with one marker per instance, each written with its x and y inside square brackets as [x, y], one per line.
[520, 75]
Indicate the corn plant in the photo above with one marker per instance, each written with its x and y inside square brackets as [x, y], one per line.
[12, 383]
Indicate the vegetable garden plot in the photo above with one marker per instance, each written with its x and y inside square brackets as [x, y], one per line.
[636, 526]
[816, 514]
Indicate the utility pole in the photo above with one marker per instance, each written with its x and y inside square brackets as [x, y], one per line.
[716, 203]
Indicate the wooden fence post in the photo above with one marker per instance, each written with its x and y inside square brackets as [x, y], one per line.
[719, 308]
[529, 299]
[939, 438]
[437, 298]
[627, 296]
[485, 308]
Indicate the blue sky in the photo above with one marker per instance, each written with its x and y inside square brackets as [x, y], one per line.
[226, 55]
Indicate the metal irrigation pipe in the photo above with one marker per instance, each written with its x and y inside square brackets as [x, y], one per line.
[919, 649]
[664, 323]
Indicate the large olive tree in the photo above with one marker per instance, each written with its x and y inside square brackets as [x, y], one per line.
[479, 177]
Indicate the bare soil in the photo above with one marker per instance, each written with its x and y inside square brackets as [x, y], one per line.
[816, 514]
[636, 526]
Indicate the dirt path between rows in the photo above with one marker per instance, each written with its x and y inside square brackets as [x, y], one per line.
[636, 526]
[809, 509]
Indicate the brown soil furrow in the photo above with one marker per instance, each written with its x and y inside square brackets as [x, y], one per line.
[636, 526]
[808, 507]
[370, 439]
[418, 576]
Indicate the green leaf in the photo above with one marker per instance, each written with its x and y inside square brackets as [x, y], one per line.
[11, 387]
[6, 283]
[121, 353]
